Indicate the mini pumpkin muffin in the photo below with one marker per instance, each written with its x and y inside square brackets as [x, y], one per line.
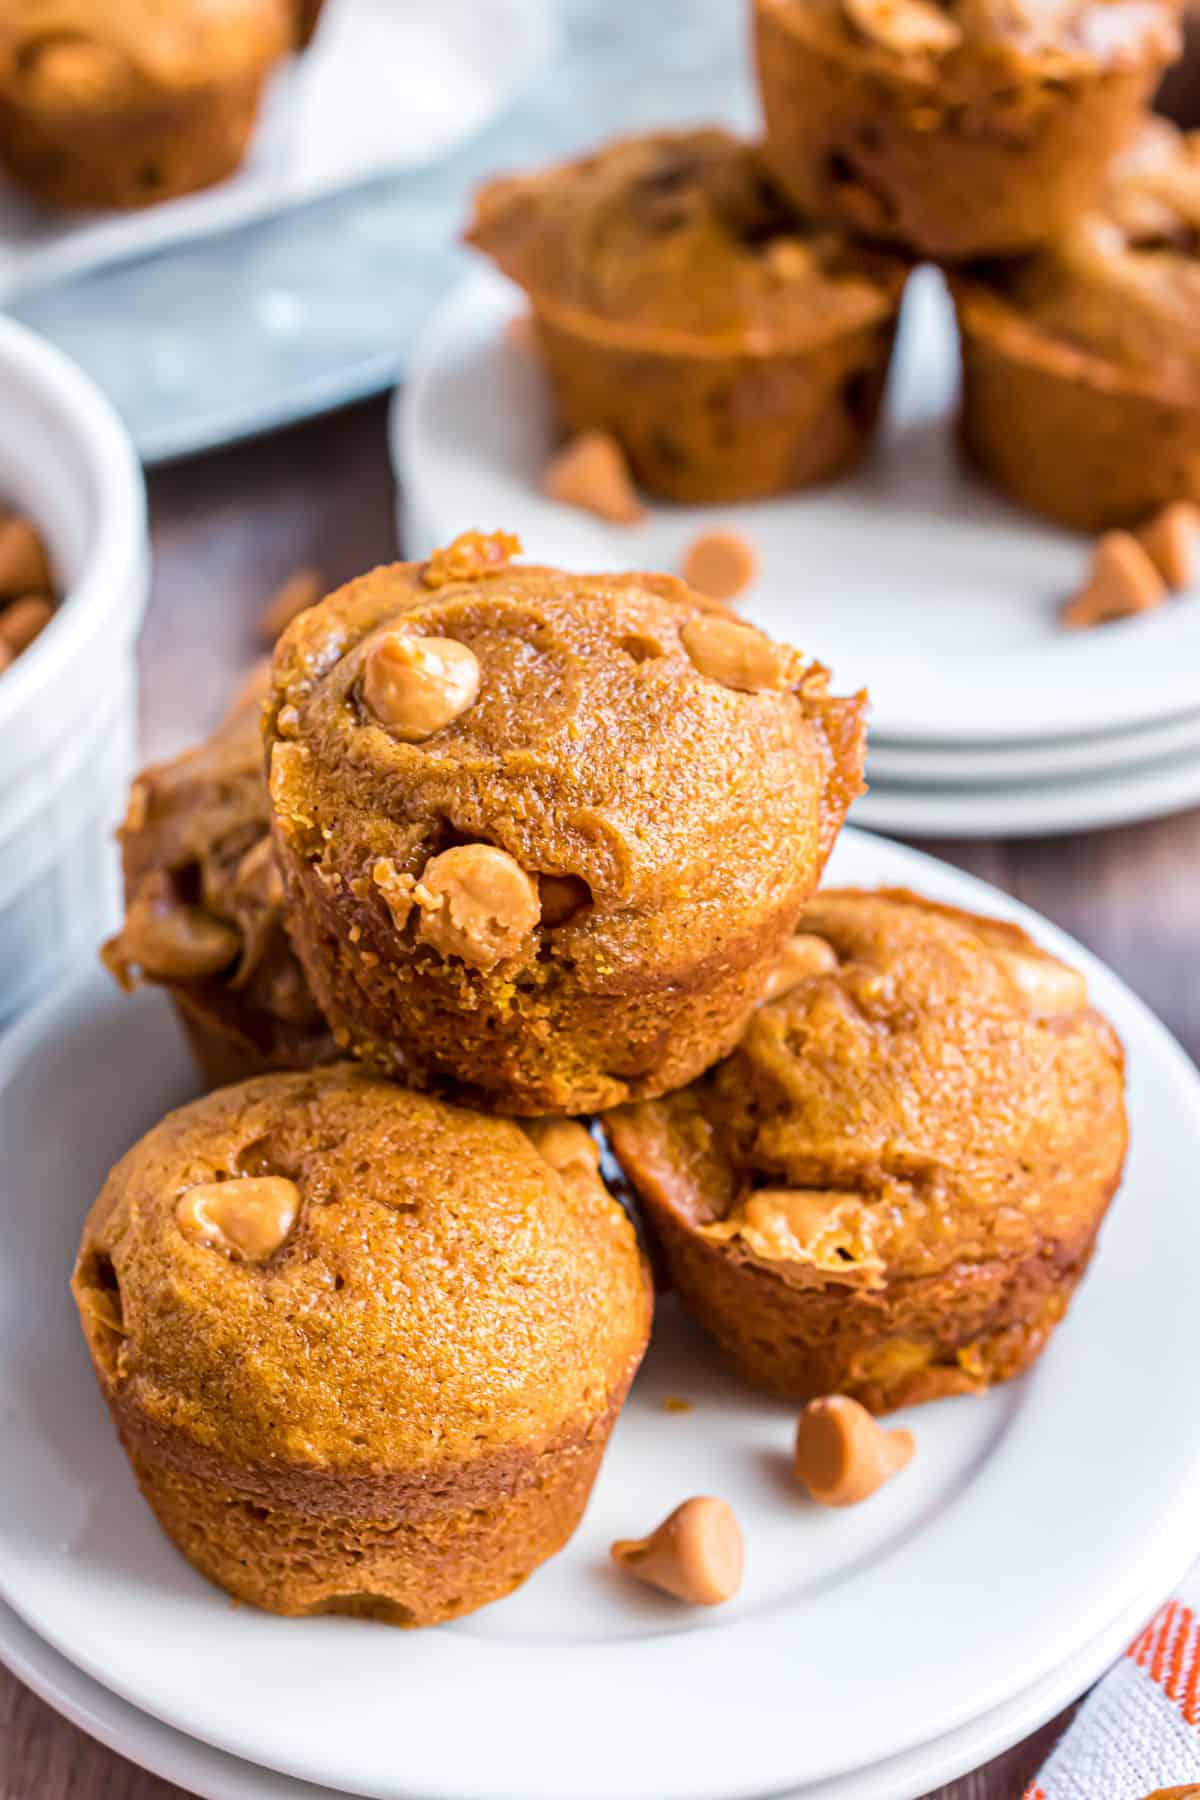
[1081, 365]
[204, 907]
[125, 105]
[364, 1350]
[544, 835]
[954, 127]
[893, 1186]
[681, 306]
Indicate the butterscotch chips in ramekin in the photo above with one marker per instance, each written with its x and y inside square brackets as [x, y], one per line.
[543, 834]
[125, 105]
[364, 1350]
[892, 1187]
[204, 907]
[955, 128]
[27, 599]
[1081, 364]
[682, 308]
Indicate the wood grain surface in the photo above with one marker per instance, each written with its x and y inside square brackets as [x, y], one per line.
[227, 529]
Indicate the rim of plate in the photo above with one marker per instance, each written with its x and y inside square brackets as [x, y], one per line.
[1066, 684]
[954, 766]
[382, 1715]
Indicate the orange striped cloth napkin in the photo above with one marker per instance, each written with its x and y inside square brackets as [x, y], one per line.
[1138, 1733]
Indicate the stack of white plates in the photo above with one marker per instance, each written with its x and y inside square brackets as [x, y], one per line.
[912, 578]
[872, 1652]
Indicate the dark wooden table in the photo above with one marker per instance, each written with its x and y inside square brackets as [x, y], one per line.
[230, 526]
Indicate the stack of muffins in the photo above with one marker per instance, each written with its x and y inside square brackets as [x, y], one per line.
[726, 310]
[509, 860]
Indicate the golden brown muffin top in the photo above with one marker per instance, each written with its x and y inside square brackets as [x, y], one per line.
[933, 1089]
[204, 900]
[930, 39]
[430, 1290]
[1124, 280]
[679, 236]
[95, 53]
[599, 746]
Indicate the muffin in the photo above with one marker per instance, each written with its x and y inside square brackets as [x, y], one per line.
[893, 1186]
[682, 307]
[123, 106]
[204, 908]
[544, 835]
[364, 1350]
[1081, 365]
[961, 128]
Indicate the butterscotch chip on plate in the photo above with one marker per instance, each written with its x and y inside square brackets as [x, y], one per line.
[843, 1455]
[571, 885]
[125, 105]
[1122, 582]
[696, 1554]
[720, 563]
[683, 309]
[1169, 540]
[205, 906]
[590, 472]
[363, 1350]
[892, 1187]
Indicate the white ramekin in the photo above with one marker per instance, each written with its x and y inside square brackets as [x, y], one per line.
[68, 703]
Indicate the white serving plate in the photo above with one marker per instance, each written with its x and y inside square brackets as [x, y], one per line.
[1037, 809]
[942, 766]
[912, 577]
[214, 1775]
[1022, 1531]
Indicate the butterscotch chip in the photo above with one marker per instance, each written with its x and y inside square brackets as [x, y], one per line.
[843, 1455]
[803, 956]
[1051, 986]
[905, 26]
[477, 903]
[471, 555]
[246, 1220]
[1169, 540]
[563, 1143]
[24, 565]
[300, 591]
[737, 655]
[1122, 581]
[720, 563]
[172, 941]
[417, 685]
[23, 620]
[696, 1554]
[591, 472]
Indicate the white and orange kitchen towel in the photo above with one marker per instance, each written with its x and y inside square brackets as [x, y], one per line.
[1138, 1733]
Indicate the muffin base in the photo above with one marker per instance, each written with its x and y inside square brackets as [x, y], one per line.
[225, 1054]
[131, 158]
[977, 161]
[718, 427]
[411, 1552]
[533, 1049]
[1064, 433]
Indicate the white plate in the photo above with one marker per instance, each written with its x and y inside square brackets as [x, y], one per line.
[1023, 1529]
[1039, 809]
[1007, 765]
[910, 578]
[216, 1776]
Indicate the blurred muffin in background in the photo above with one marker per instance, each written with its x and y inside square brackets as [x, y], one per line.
[126, 105]
[204, 902]
[1081, 363]
[893, 1186]
[682, 307]
[954, 129]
